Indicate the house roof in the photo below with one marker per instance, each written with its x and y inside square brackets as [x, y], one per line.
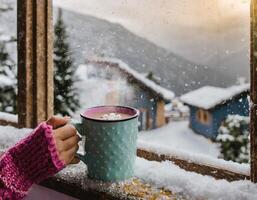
[208, 97]
[135, 76]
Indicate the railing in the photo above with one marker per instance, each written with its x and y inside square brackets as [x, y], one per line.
[8, 119]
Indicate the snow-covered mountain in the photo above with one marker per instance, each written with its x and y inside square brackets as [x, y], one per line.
[213, 33]
[91, 36]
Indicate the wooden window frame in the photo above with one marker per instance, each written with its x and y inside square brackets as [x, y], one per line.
[35, 78]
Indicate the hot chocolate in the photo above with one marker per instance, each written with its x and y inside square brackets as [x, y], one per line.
[109, 116]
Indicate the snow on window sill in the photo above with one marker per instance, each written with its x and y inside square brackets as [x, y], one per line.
[8, 119]
[152, 180]
[190, 161]
[73, 181]
[149, 176]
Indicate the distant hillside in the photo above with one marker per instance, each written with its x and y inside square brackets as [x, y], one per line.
[91, 36]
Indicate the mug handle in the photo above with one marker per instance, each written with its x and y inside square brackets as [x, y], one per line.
[78, 126]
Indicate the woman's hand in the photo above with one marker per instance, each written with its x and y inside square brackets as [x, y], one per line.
[66, 139]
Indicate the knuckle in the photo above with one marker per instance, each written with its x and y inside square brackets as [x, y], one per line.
[52, 119]
[72, 128]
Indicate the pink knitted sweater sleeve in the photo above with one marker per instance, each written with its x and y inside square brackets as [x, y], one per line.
[30, 161]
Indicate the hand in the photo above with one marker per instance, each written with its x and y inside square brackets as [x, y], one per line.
[66, 139]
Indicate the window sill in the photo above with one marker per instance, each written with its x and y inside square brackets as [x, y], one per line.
[73, 181]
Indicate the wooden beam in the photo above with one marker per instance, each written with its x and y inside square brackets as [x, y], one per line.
[73, 181]
[216, 172]
[253, 64]
[35, 63]
[253, 145]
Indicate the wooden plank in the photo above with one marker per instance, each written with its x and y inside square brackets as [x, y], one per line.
[49, 57]
[253, 64]
[8, 123]
[253, 145]
[73, 181]
[253, 51]
[215, 172]
[35, 64]
[75, 190]
[24, 29]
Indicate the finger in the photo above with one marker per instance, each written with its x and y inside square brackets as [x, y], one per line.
[57, 121]
[70, 154]
[75, 160]
[65, 132]
[70, 142]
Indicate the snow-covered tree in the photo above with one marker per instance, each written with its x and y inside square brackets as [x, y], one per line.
[66, 98]
[234, 139]
[8, 81]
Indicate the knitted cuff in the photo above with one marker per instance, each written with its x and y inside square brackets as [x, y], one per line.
[30, 161]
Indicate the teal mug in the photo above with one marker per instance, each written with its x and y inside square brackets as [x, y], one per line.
[110, 144]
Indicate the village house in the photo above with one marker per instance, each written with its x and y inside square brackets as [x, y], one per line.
[209, 107]
[125, 86]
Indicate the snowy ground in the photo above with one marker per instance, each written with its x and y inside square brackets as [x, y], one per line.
[177, 135]
[177, 140]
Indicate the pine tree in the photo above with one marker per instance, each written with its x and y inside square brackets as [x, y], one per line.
[233, 139]
[8, 80]
[66, 99]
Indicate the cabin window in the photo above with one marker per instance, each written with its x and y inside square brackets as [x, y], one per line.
[203, 116]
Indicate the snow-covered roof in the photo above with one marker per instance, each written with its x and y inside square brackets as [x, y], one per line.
[208, 97]
[159, 90]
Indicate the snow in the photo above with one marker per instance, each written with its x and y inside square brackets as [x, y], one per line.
[161, 174]
[8, 117]
[5, 37]
[169, 176]
[165, 93]
[208, 96]
[4, 6]
[177, 140]
[195, 186]
[10, 135]
[6, 81]
[177, 135]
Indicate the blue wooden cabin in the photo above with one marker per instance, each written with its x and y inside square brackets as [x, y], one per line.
[209, 107]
